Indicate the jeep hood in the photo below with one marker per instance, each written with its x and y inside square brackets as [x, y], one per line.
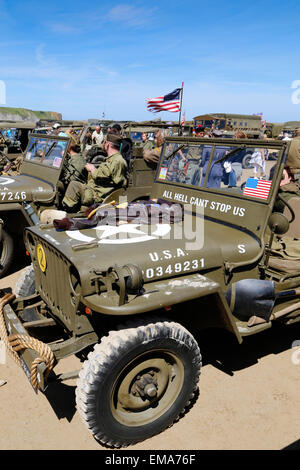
[159, 250]
[25, 188]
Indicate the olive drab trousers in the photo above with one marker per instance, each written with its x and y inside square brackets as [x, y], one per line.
[77, 194]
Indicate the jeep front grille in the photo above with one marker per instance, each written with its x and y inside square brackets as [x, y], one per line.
[54, 283]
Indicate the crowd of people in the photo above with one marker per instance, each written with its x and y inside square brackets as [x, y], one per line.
[89, 184]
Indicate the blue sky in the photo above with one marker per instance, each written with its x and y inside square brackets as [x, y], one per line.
[110, 56]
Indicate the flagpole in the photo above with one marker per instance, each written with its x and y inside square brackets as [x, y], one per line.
[179, 120]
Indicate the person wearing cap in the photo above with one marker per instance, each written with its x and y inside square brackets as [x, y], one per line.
[97, 136]
[117, 127]
[111, 174]
[57, 130]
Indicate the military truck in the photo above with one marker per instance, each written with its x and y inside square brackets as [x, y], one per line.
[273, 129]
[228, 124]
[39, 186]
[128, 297]
[134, 130]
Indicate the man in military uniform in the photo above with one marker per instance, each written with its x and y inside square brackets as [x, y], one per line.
[74, 168]
[289, 187]
[151, 155]
[111, 174]
[193, 160]
[293, 159]
[147, 144]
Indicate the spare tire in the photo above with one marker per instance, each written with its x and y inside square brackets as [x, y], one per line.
[246, 161]
[97, 160]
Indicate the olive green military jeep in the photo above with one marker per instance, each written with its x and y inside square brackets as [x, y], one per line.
[40, 186]
[24, 196]
[129, 294]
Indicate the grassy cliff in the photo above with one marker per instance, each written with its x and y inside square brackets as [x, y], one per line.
[22, 114]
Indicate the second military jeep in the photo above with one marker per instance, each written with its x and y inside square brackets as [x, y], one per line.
[40, 186]
[129, 296]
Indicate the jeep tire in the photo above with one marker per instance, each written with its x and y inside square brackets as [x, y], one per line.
[24, 287]
[246, 161]
[7, 252]
[137, 381]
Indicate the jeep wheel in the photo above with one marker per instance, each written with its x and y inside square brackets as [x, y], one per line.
[24, 287]
[7, 251]
[137, 381]
[246, 161]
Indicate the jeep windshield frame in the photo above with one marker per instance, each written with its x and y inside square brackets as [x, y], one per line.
[44, 157]
[216, 150]
[224, 205]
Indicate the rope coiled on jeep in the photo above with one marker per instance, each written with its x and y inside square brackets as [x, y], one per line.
[18, 342]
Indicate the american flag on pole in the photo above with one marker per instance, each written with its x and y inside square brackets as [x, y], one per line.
[169, 102]
[182, 120]
[257, 188]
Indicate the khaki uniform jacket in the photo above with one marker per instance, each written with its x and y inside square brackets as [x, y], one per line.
[74, 167]
[111, 174]
[148, 145]
[293, 159]
[152, 155]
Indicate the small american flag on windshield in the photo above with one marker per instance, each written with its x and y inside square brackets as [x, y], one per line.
[257, 188]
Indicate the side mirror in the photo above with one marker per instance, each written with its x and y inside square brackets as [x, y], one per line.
[278, 223]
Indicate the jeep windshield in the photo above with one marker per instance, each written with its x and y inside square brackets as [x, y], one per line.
[238, 169]
[46, 152]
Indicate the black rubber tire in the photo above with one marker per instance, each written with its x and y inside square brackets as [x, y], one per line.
[7, 253]
[24, 287]
[246, 161]
[169, 349]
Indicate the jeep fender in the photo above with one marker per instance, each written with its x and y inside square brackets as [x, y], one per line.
[169, 292]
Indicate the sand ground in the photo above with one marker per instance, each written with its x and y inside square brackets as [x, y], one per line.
[249, 399]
